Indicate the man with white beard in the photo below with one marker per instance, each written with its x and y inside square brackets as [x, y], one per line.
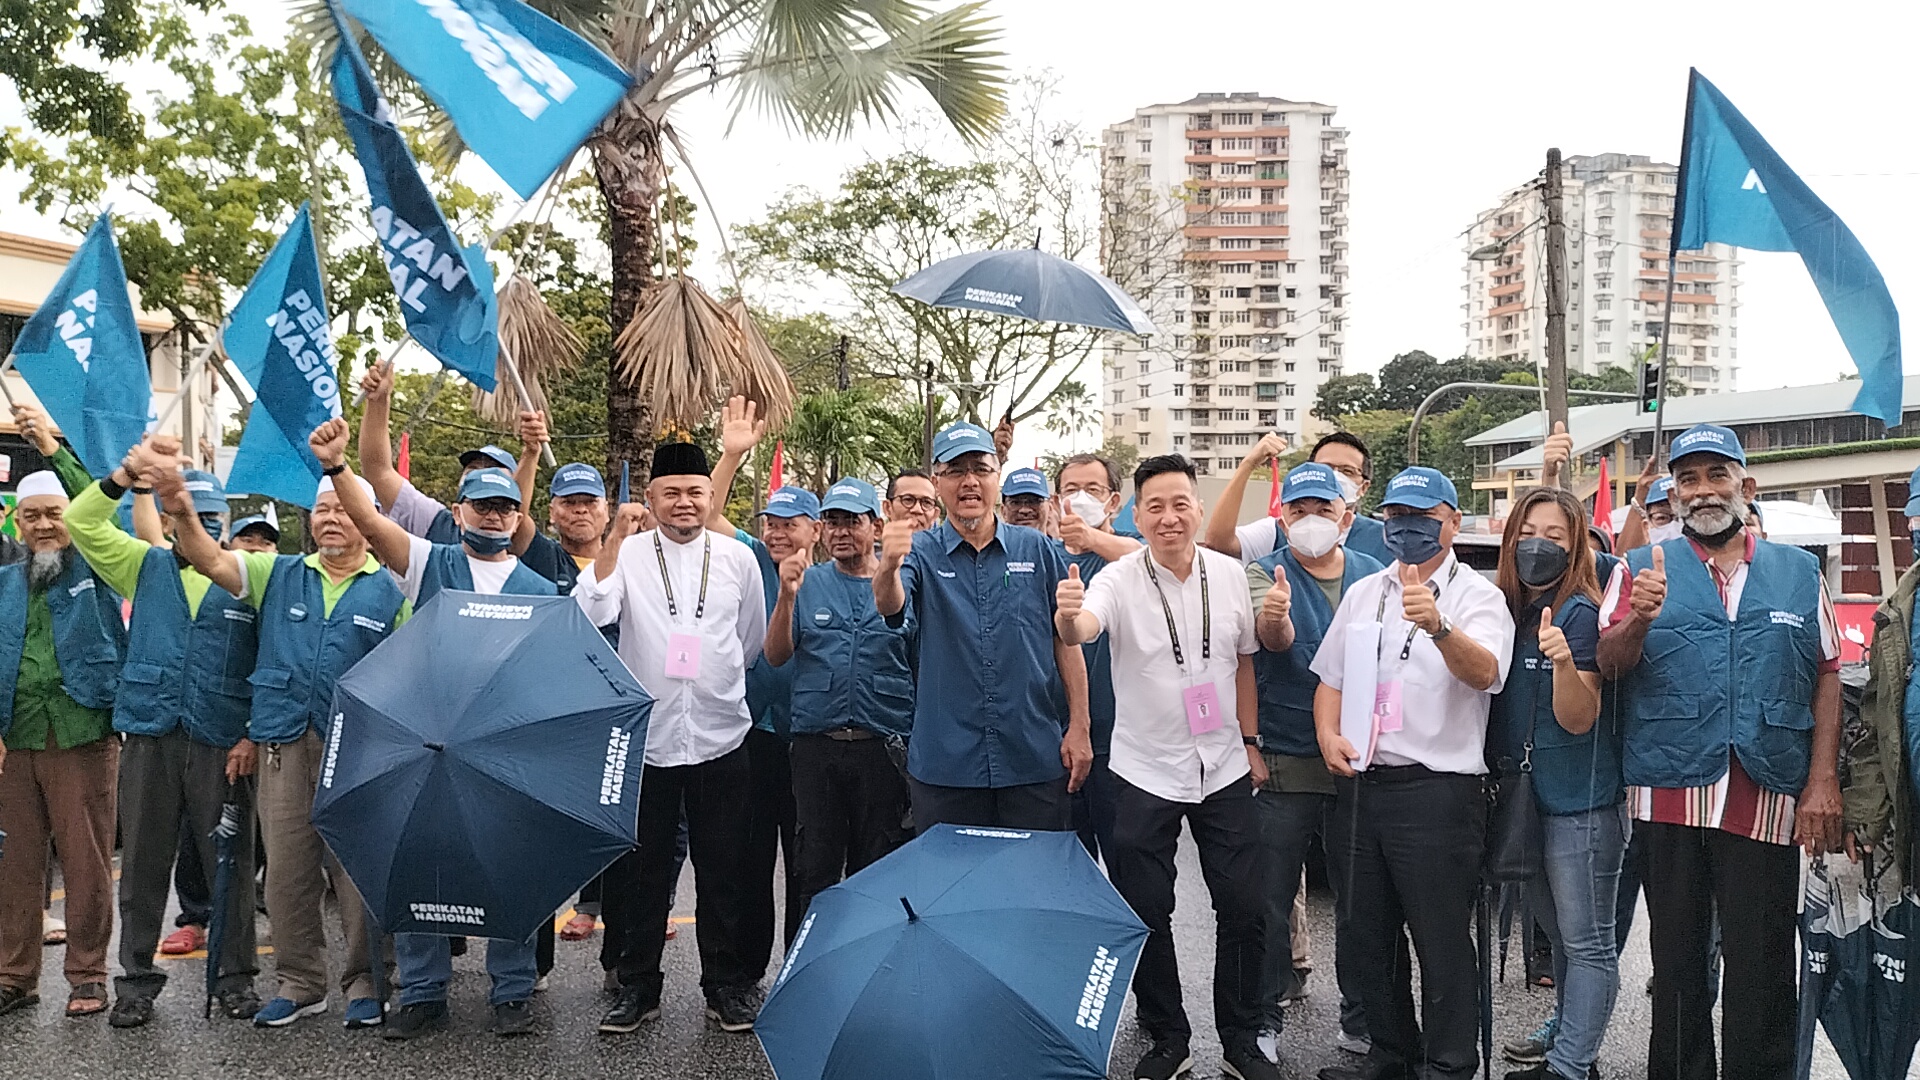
[1728, 662]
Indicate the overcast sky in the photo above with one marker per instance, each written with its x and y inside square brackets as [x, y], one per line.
[1448, 104]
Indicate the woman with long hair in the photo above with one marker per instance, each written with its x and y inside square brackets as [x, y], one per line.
[1549, 720]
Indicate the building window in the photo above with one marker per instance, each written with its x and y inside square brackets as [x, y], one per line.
[1179, 389]
[1143, 366]
[1266, 416]
[1146, 146]
[1179, 440]
[1603, 303]
[1603, 326]
[1141, 437]
[1179, 292]
[1200, 466]
[1145, 392]
[1177, 414]
[1118, 397]
[1143, 414]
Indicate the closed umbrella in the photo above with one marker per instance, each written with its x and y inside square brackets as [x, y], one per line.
[1029, 284]
[483, 763]
[224, 835]
[1859, 942]
[1004, 949]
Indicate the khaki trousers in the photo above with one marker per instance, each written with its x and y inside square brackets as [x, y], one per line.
[298, 868]
[68, 797]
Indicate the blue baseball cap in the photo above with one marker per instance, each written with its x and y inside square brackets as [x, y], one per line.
[577, 478]
[257, 521]
[209, 497]
[1311, 481]
[487, 455]
[1025, 482]
[793, 502]
[962, 438]
[489, 484]
[1707, 439]
[1661, 490]
[853, 495]
[1913, 494]
[1421, 488]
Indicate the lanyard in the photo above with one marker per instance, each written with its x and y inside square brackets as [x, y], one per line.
[1380, 613]
[1206, 612]
[666, 579]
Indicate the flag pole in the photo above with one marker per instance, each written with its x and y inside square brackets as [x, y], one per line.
[193, 372]
[1673, 251]
[4, 368]
[526, 402]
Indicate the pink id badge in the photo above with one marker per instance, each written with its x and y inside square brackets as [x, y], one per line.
[1386, 707]
[683, 656]
[1203, 708]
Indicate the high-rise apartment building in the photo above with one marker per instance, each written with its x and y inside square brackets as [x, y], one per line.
[1619, 217]
[1235, 209]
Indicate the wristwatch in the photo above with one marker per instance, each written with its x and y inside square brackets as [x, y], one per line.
[1446, 627]
[1253, 741]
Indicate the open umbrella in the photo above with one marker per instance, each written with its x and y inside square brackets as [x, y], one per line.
[1030, 284]
[1859, 943]
[483, 763]
[1004, 949]
[223, 840]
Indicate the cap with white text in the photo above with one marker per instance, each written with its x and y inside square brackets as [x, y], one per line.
[1421, 488]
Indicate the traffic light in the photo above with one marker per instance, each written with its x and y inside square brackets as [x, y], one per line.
[1650, 387]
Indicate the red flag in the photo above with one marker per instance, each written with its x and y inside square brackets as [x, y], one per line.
[403, 464]
[1603, 503]
[774, 471]
[1273, 495]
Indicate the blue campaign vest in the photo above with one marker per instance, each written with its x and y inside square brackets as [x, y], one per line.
[442, 529]
[849, 667]
[1369, 537]
[1571, 773]
[1285, 680]
[304, 651]
[1705, 685]
[769, 688]
[182, 668]
[89, 640]
[447, 569]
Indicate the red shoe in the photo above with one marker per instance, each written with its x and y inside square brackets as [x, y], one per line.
[579, 928]
[672, 930]
[189, 938]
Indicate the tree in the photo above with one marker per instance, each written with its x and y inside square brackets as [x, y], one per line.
[41, 44]
[1343, 395]
[1074, 411]
[820, 67]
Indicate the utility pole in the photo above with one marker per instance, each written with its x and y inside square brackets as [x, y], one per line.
[840, 383]
[1556, 395]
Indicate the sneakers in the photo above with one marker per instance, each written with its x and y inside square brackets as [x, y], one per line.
[130, 1012]
[415, 1020]
[733, 1008]
[1244, 1061]
[540, 985]
[1359, 1045]
[513, 1018]
[283, 1011]
[238, 1003]
[631, 1008]
[1543, 1071]
[1532, 1049]
[1165, 1060]
[364, 1013]
[1269, 1042]
[188, 938]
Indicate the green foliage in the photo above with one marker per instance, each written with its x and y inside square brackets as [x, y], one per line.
[1343, 396]
[44, 46]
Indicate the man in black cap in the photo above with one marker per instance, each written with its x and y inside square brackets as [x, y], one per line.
[689, 604]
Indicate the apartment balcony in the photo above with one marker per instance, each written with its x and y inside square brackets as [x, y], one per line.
[1332, 163]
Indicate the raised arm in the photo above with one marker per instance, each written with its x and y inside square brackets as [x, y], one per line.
[1074, 623]
[889, 592]
[740, 431]
[202, 552]
[1273, 624]
[1621, 643]
[533, 439]
[388, 541]
[1226, 511]
[780, 624]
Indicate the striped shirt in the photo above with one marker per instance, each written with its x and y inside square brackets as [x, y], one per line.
[1733, 803]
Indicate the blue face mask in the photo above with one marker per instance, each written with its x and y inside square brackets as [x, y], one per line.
[214, 526]
[485, 543]
[1413, 538]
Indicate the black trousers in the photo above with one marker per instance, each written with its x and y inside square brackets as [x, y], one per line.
[1411, 843]
[1092, 807]
[638, 887]
[1226, 829]
[770, 836]
[1044, 805]
[1757, 888]
[848, 798]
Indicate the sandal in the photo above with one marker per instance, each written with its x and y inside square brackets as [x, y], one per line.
[14, 998]
[52, 931]
[87, 999]
[579, 928]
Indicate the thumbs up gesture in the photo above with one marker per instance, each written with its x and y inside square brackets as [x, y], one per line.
[1650, 588]
[1553, 641]
[1416, 601]
[1070, 593]
[896, 543]
[1279, 598]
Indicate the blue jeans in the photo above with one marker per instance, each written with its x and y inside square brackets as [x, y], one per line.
[423, 966]
[1574, 902]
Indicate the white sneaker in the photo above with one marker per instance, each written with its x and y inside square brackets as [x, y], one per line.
[1269, 1042]
[50, 926]
[1354, 1044]
[540, 985]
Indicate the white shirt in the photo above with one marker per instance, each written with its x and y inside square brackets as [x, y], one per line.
[1154, 748]
[489, 575]
[702, 718]
[1443, 720]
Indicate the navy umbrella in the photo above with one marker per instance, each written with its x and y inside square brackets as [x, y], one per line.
[1004, 949]
[224, 835]
[1030, 284]
[1860, 942]
[483, 763]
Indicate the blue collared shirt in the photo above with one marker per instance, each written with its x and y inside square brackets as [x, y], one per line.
[850, 668]
[1099, 659]
[984, 710]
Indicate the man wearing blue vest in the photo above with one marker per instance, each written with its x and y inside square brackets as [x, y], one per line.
[61, 646]
[182, 707]
[318, 615]
[852, 698]
[1297, 589]
[1725, 648]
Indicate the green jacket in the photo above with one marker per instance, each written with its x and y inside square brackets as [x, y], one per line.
[1878, 796]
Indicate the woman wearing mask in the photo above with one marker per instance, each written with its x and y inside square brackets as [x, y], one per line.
[1549, 720]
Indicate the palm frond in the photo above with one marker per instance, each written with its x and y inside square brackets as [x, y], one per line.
[541, 343]
[763, 377]
[680, 353]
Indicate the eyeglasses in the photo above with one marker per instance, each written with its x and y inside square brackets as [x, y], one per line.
[915, 502]
[491, 509]
[1098, 491]
[982, 469]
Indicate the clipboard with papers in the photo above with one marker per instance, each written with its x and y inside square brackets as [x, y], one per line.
[1359, 720]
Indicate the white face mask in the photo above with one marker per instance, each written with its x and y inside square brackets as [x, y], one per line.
[1087, 508]
[1660, 534]
[1313, 536]
[1348, 489]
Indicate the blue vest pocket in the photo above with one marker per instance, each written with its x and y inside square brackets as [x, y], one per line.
[142, 674]
[897, 687]
[815, 679]
[271, 678]
[1793, 715]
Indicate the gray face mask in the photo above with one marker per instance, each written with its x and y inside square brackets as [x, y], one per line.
[1660, 534]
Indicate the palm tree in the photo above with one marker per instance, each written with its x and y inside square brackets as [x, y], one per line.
[820, 66]
[1072, 411]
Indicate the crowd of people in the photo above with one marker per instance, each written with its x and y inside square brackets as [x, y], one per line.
[984, 649]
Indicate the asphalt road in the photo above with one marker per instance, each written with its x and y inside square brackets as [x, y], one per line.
[179, 1044]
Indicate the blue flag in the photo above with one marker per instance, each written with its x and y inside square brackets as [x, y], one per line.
[277, 337]
[82, 355]
[523, 91]
[1735, 190]
[446, 293]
